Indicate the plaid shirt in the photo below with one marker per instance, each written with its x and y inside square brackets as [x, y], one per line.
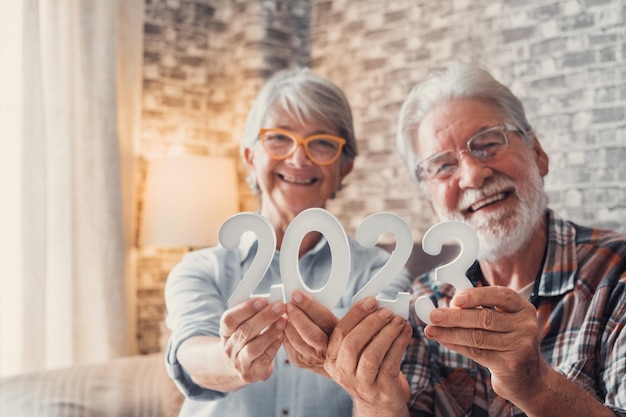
[580, 297]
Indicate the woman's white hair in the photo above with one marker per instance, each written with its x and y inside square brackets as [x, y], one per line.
[308, 99]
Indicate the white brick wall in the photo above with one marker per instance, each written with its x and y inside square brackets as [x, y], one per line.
[205, 59]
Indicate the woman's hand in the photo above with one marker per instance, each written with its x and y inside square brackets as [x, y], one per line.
[308, 329]
[251, 334]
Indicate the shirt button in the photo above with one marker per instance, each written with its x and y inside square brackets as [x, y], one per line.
[286, 361]
[285, 412]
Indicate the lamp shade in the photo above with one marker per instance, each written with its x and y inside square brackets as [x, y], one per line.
[186, 200]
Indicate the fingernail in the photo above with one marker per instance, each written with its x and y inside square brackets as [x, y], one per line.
[259, 304]
[278, 308]
[436, 316]
[297, 297]
[398, 321]
[385, 313]
[280, 324]
[460, 299]
[369, 304]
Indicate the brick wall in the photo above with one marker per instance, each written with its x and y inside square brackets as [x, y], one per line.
[565, 59]
[205, 60]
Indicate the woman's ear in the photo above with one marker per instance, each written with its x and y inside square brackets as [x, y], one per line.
[346, 168]
[248, 158]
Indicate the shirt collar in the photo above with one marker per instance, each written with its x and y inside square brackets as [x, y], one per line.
[559, 269]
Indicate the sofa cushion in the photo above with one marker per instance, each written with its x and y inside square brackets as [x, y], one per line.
[126, 387]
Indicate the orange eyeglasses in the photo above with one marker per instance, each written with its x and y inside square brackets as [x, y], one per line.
[323, 149]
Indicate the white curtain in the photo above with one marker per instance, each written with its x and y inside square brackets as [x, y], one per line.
[68, 124]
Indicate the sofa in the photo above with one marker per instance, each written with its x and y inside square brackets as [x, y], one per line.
[133, 386]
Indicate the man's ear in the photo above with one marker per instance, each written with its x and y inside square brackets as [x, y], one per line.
[543, 161]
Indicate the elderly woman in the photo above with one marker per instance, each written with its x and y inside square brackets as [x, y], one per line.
[248, 360]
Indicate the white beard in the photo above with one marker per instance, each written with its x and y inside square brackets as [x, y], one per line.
[504, 232]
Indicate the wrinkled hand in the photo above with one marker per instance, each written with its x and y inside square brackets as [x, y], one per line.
[364, 355]
[308, 329]
[251, 334]
[503, 338]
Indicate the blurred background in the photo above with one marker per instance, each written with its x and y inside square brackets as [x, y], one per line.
[113, 113]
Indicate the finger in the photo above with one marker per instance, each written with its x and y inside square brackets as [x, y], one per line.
[261, 368]
[373, 355]
[303, 332]
[255, 324]
[352, 318]
[259, 346]
[233, 317]
[390, 367]
[308, 358]
[298, 347]
[477, 318]
[317, 313]
[502, 298]
[483, 357]
[474, 338]
[362, 335]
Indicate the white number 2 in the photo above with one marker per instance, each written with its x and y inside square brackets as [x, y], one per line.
[453, 272]
[367, 235]
[230, 235]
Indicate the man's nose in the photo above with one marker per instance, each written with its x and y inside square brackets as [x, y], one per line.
[472, 171]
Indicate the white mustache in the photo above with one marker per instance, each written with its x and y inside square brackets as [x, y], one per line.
[495, 185]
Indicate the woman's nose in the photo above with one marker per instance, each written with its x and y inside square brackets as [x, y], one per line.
[299, 157]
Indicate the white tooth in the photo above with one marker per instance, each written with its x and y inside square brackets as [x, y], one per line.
[490, 200]
[298, 180]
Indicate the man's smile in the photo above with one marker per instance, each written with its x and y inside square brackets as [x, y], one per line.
[488, 201]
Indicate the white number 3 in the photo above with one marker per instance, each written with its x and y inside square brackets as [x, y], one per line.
[453, 272]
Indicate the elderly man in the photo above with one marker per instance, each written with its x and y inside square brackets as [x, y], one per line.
[542, 333]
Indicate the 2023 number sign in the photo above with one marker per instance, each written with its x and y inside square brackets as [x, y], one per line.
[368, 233]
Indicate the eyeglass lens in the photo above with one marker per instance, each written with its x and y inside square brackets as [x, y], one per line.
[484, 147]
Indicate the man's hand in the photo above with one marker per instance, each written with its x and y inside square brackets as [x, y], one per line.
[308, 329]
[364, 355]
[497, 328]
[251, 334]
